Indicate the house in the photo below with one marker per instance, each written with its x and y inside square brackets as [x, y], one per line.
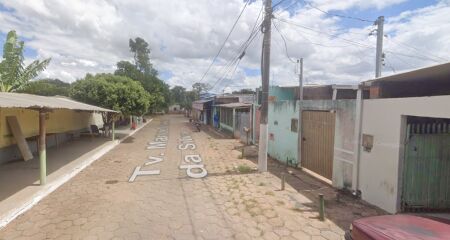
[327, 129]
[233, 114]
[386, 139]
[404, 162]
[175, 108]
[30, 123]
[201, 111]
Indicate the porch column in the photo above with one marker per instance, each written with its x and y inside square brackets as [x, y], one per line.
[42, 148]
[113, 126]
[234, 120]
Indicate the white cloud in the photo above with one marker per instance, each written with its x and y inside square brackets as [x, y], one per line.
[91, 36]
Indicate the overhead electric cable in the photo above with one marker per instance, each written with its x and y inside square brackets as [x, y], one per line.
[226, 39]
[285, 44]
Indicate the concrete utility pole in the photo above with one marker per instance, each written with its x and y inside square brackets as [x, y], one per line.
[300, 106]
[265, 65]
[379, 56]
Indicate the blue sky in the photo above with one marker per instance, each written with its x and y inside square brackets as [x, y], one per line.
[91, 36]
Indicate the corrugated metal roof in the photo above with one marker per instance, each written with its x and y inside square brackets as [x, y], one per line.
[235, 105]
[436, 72]
[22, 100]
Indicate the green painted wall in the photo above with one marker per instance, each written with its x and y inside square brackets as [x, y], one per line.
[282, 94]
[282, 141]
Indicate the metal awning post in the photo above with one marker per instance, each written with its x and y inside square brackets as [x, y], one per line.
[42, 148]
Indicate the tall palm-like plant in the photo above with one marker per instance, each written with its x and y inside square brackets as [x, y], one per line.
[14, 75]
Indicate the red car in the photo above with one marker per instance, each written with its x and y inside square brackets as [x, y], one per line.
[399, 227]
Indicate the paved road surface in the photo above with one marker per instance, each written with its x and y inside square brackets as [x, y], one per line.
[102, 203]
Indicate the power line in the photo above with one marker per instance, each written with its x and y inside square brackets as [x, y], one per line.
[285, 44]
[237, 58]
[242, 47]
[354, 42]
[276, 5]
[325, 33]
[336, 15]
[226, 39]
[418, 51]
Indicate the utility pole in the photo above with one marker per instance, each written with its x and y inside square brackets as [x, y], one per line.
[379, 56]
[300, 108]
[265, 65]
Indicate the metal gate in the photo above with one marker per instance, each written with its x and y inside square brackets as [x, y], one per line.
[318, 142]
[426, 168]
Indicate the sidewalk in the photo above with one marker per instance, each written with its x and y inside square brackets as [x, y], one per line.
[19, 180]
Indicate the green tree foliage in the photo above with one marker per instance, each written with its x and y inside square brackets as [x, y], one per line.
[201, 87]
[152, 84]
[144, 72]
[244, 91]
[191, 96]
[141, 50]
[47, 87]
[178, 95]
[14, 75]
[114, 92]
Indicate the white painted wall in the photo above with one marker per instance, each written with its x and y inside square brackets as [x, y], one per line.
[378, 178]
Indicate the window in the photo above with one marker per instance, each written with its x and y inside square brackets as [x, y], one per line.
[226, 116]
[294, 125]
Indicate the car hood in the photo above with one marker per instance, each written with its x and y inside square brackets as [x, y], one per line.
[401, 227]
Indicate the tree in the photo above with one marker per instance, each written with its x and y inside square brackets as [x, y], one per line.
[141, 50]
[47, 87]
[191, 96]
[14, 75]
[114, 92]
[201, 87]
[244, 91]
[152, 84]
[178, 95]
[142, 70]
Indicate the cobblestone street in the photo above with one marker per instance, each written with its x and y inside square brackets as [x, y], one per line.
[232, 202]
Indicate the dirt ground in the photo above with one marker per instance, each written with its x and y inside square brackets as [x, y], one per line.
[232, 202]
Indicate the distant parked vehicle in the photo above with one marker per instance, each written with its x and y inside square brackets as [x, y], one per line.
[399, 227]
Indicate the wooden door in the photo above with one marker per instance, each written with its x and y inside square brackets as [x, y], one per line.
[318, 142]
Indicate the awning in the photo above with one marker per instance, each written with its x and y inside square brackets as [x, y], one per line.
[235, 105]
[200, 104]
[22, 100]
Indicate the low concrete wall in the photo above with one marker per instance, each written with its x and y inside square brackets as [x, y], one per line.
[380, 173]
[12, 152]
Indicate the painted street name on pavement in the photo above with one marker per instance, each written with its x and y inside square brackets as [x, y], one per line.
[192, 162]
[160, 142]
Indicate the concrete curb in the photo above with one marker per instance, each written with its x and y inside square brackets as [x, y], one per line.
[52, 186]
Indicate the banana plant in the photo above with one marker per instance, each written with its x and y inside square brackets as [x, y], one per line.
[14, 75]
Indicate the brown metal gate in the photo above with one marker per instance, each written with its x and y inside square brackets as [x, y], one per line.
[318, 142]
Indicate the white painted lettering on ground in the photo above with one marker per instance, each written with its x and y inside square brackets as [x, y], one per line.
[159, 142]
[192, 163]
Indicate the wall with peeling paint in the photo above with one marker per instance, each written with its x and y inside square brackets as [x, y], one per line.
[383, 119]
[282, 141]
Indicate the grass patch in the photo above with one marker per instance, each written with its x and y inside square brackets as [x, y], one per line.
[261, 184]
[244, 168]
[280, 203]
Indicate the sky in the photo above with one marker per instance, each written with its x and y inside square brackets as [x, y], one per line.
[92, 36]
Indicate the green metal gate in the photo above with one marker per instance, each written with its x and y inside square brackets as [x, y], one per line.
[426, 169]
